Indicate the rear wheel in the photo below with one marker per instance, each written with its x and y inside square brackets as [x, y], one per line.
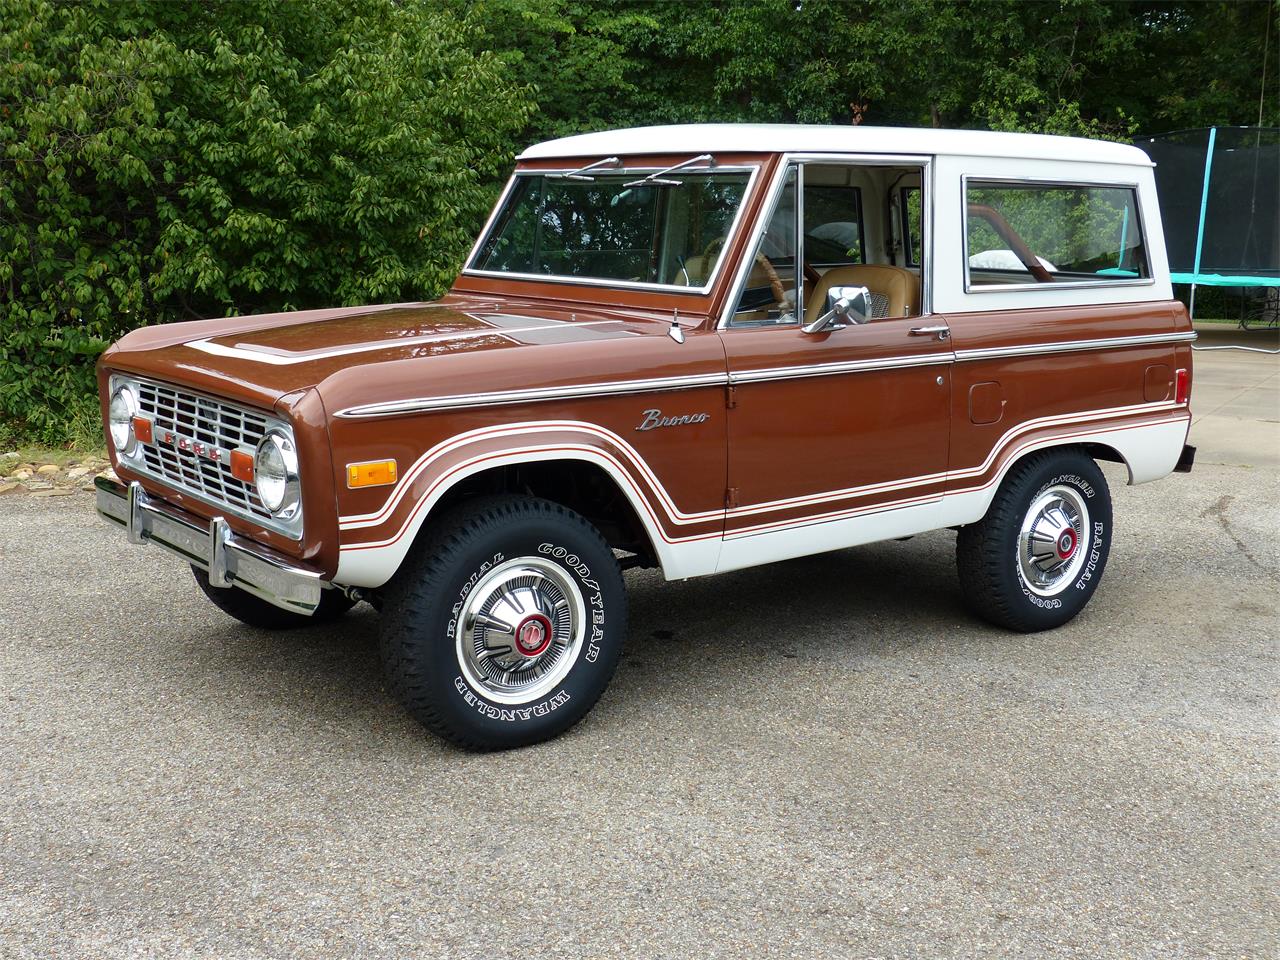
[256, 612]
[1036, 558]
[506, 628]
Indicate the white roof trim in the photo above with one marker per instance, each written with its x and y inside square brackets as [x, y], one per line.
[800, 138]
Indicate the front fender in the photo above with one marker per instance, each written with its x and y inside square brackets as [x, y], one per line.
[374, 544]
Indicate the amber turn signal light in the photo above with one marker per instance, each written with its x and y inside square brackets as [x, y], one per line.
[142, 429]
[375, 473]
[242, 466]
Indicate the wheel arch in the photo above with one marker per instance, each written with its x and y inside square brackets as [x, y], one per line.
[1148, 451]
[1106, 452]
[577, 481]
[599, 488]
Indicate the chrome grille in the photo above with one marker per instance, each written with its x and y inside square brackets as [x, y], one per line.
[214, 423]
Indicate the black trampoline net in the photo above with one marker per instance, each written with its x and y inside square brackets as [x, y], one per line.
[1242, 216]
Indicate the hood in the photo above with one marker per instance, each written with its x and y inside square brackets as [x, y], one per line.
[262, 359]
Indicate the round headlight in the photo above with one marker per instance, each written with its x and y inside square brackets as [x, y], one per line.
[275, 472]
[120, 414]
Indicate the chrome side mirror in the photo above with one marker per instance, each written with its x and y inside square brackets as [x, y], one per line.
[845, 305]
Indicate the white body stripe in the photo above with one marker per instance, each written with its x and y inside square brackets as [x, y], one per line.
[677, 516]
[1149, 450]
[275, 357]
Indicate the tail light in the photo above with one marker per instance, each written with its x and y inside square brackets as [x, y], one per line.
[1181, 385]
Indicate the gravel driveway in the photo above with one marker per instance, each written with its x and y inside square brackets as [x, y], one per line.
[825, 757]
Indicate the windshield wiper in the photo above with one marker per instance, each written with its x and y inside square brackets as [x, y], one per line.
[581, 173]
[656, 178]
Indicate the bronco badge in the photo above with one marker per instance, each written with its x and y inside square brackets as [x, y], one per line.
[654, 418]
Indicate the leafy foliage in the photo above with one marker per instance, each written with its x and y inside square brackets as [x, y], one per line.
[1086, 67]
[169, 161]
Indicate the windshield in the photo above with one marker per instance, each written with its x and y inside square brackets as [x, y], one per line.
[615, 227]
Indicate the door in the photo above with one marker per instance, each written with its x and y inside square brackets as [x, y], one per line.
[829, 430]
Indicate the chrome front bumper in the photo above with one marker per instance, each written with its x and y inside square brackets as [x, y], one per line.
[230, 560]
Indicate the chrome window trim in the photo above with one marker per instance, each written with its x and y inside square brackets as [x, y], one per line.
[753, 170]
[797, 266]
[926, 164]
[1147, 281]
[767, 210]
[488, 223]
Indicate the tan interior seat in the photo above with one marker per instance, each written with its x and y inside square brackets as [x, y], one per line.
[695, 271]
[895, 291]
[698, 269]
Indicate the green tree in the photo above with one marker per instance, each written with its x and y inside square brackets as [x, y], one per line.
[168, 161]
[1085, 67]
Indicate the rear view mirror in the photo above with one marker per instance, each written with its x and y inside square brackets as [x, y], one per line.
[845, 305]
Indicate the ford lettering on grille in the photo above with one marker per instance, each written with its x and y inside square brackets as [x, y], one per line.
[194, 447]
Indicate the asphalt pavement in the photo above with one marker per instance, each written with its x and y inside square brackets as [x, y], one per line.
[821, 758]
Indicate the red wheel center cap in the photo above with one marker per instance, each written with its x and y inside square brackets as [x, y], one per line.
[1066, 544]
[533, 636]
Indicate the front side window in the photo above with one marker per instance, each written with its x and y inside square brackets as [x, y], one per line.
[769, 296]
[1020, 233]
[612, 227]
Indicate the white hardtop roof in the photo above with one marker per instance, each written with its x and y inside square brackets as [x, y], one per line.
[803, 138]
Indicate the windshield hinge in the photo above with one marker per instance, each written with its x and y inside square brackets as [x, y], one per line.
[731, 498]
[730, 397]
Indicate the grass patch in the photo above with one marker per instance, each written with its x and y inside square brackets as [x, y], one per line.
[76, 437]
[77, 427]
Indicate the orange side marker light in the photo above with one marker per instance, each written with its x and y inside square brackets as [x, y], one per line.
[142, 429]
[374, 473]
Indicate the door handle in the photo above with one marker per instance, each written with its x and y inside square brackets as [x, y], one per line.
[942, 332]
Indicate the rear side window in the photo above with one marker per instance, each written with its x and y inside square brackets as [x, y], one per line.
[833, 225]
[909, 209]
[1020, 233]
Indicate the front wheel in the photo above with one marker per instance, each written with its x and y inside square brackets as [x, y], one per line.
[507, 626]
[1036, 558]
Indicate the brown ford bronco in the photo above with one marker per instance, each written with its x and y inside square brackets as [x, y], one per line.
[698, 348]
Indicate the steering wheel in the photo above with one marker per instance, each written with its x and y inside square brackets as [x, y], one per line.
[775, 282]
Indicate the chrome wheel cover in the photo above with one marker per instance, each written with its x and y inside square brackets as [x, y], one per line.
[1053, 541]
[520, 630]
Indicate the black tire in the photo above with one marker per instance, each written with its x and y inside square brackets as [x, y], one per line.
[462, 560]
[989, 553]
[256, 612]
